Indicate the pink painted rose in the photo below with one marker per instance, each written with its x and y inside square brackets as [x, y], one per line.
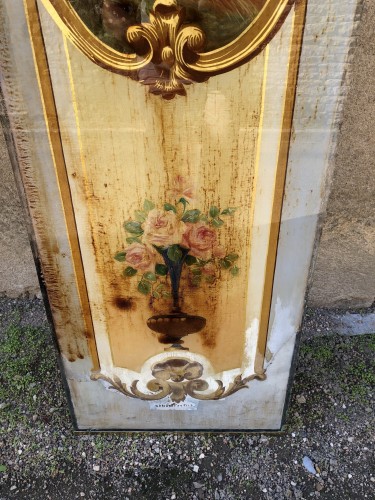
[140, 257]
[162, 228]
[201, 239]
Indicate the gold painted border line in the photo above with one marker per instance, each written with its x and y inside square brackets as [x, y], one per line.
[246, 360]
[53, 130]
[281, 170]
[81, 155]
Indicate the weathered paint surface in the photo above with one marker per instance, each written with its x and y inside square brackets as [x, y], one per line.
[262, 404]
[220, 150]
[150, 142]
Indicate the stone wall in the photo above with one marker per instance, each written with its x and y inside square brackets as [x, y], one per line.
[344, 272]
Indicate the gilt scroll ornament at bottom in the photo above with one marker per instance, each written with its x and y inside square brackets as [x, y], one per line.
[178, 378]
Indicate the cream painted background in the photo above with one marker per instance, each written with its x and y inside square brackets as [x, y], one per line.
[209, 138]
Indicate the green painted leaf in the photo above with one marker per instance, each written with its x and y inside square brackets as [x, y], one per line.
[235, 271]
[140, 215]
[217, 222]
[201, 262]
[133, 227]
[129, 272]
[210, 279]
[184, 202]
[174, 253]
[191, 216]
[149, 276]
[156, 294]
[166, 294]
[144, 287]
[3, 468]
[190, 260]
[120, 256]
[232, 257]
[170, 208]
[203, 218]
[133, 239]
[158, 249]
[214, 212]
[161, 269]
[148, 205]
[228, 211]
[196, 271]
[225, 264]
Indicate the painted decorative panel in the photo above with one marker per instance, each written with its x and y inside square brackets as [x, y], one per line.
[169, 126]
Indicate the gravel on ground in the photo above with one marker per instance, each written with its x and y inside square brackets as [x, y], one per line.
[325, 451]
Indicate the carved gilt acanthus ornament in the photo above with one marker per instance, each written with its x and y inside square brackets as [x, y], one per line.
[173, 46]
[178, 378]
[168, 52]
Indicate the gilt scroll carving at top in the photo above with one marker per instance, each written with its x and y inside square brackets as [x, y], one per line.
[173, 46]
[168, 44]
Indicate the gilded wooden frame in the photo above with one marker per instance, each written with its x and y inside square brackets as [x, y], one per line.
[173, 47]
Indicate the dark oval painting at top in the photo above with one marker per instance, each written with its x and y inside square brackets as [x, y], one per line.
[222, 21]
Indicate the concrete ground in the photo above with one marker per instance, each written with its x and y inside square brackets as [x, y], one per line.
[326, 450]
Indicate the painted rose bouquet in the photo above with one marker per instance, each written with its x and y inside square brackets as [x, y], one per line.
[163, 241]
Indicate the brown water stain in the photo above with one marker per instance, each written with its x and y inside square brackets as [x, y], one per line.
[208, 339]
[125, 303]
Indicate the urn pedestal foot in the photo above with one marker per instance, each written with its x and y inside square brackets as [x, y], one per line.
[171, 328]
